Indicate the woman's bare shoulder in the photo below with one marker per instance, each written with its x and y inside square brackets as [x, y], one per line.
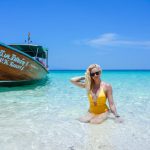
[106, 86]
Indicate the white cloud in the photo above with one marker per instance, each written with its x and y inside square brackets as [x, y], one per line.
[104, 39]
[112, 39]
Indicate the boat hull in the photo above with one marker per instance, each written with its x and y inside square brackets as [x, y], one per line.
[17, 66]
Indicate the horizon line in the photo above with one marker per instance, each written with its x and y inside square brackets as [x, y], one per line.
[102, 69]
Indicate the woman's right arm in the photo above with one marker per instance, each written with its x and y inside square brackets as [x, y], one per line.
[78, 81]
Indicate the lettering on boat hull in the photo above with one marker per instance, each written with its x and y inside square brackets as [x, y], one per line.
[12, 60]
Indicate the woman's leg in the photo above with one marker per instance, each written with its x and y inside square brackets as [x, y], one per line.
[99, 118]
[87, 117]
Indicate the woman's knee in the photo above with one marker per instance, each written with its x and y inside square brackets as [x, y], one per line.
[96, 121]
[86, 118]
[99, 119]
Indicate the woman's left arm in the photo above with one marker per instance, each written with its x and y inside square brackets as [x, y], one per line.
[112, 104]
[111, 101]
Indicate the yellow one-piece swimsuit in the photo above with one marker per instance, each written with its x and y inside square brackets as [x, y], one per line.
[100, 106]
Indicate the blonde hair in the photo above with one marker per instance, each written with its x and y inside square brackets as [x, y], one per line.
[89, 82]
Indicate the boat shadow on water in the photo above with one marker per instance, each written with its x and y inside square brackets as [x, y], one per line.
[24, 85]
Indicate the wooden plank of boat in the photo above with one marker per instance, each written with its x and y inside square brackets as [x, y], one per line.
[17, 66]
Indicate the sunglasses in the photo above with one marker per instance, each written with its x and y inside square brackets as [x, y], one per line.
[93, 74]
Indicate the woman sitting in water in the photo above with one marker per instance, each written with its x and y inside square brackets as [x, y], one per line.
[98, 92]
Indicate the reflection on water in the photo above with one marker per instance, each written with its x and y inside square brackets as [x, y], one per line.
[43, 82]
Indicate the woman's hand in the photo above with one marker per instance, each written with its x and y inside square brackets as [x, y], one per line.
[77, 81]
[118, 120]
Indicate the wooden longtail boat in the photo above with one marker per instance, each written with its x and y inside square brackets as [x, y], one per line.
[22, 64]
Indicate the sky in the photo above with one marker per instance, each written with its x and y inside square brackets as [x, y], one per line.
[112, 33]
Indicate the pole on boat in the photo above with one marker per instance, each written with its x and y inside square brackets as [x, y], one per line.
[37, 53]
[47, 58]
[28, 37]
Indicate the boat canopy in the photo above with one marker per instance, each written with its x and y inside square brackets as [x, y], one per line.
[32, 50]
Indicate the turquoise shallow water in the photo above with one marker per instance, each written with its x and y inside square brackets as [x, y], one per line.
[43, 116]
